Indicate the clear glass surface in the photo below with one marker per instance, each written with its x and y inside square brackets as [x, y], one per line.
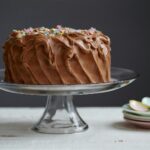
[60, 115]
[120, 78]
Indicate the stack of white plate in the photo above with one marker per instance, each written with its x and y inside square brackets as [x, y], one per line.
[139, 118]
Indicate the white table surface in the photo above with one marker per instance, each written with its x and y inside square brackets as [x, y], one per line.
[107, 131]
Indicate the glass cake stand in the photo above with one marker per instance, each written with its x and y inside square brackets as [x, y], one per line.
[60, 115]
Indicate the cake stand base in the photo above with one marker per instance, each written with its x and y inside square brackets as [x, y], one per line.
[60, 116]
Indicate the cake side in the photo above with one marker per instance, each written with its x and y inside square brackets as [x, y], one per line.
[57, 56]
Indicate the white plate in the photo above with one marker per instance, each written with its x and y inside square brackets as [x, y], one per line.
[126, 108]
[136, 117]
[141, 124]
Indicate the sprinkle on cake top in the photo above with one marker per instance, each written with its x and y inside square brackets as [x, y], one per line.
[58, 30]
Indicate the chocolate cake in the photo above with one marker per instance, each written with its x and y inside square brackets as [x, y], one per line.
[57, 55]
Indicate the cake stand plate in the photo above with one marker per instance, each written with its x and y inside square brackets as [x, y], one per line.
[60, 115]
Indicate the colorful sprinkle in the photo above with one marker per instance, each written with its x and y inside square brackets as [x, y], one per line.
[29, 30]
[59, 27]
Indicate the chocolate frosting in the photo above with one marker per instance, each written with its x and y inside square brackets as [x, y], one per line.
[57, 56]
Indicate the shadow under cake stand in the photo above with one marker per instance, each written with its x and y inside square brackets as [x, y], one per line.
[60, 115]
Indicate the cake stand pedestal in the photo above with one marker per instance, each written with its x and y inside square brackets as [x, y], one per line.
[60, 115]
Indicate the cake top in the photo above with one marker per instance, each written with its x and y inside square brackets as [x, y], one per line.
[58, 30]
[93, 36]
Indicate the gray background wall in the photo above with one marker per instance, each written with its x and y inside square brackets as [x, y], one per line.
[127, 22]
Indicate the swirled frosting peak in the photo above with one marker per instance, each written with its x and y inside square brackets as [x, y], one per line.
[57, 55]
